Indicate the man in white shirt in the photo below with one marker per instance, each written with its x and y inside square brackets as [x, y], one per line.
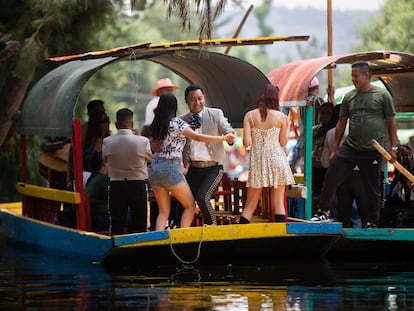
[163, 86]
[205, 159]
[127, 155]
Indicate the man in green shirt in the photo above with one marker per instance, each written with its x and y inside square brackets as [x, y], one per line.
[370, 111]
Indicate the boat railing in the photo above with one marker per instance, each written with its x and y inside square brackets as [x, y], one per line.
[48, 204]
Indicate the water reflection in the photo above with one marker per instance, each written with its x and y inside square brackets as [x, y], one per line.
[31, 280]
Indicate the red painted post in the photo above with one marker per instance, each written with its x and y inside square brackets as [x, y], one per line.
[83, 213]
[23, 172]
[23, 153]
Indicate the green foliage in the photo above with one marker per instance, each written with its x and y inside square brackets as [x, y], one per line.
[392, 29]
[261, 13]
[47, 28]
[128, 84]
[10, 159]
[55, 27]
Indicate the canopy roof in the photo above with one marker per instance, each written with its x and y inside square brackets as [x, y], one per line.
[230, 83]
[394, 69]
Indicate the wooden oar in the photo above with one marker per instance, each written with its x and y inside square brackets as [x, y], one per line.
[396, 164]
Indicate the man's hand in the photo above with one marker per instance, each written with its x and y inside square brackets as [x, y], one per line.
[393, 155]
[229, 138]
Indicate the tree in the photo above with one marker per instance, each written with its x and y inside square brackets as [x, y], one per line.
[261, 12]
[39, 28]
[204, 10]
[45, 27]
[42, 28]
[392, 29]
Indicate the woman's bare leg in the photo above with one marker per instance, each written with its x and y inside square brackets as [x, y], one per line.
[162, 197]
[183, 194]
[278, 200]
[253, 196]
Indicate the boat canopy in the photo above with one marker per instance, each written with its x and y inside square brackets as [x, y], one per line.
[230, 83]
[394, 69]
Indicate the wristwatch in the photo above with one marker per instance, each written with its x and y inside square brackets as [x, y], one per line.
[394, 148]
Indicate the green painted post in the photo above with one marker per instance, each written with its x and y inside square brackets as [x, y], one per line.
[308, 159]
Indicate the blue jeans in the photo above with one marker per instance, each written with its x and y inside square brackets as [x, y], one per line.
[165, 173]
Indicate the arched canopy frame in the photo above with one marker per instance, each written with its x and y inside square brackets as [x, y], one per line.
[229, 82]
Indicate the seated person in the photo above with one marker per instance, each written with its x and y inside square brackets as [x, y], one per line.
[53, 161]
[400, 201]
[319, 133]
[97, 188]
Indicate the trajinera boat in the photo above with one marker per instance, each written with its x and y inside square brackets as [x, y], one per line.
[49, 109]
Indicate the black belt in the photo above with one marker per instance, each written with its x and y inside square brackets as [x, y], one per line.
[203, 164]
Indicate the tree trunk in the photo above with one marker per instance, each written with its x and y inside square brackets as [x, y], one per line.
[11, 101]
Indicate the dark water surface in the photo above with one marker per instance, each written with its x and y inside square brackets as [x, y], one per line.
[32, 280]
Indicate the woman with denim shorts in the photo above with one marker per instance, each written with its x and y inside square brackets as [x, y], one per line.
[166, 172]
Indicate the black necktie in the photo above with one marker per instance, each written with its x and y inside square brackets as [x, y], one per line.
[195, 121]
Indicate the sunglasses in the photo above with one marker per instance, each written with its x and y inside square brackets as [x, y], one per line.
[106, 120]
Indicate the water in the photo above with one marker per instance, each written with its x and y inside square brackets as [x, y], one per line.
[32, 280]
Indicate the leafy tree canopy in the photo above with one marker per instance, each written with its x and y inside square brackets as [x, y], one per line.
[392, 29]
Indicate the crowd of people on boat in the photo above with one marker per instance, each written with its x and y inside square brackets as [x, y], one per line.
[181, 157]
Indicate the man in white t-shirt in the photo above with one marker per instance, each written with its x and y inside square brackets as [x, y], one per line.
[163, 85]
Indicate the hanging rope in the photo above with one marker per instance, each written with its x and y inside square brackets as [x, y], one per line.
[135, 75]
[198, 250]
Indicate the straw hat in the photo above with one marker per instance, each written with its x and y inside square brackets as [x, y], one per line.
[162, 83]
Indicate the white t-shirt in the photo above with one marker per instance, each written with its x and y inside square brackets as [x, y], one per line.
[149, 110]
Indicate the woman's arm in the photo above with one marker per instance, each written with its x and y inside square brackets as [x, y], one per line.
[190, 133]
[284, 130]
[247, 139]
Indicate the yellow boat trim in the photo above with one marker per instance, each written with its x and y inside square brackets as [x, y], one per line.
[229, 41]
[12, 206]
[48, 193]
[218, 233]
[145, 47]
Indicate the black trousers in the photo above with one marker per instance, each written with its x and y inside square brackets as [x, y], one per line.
[352, 189]
[203, 183]
[126, 194]
[341, 167]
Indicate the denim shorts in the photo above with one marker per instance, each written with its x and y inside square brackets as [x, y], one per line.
[165, 173]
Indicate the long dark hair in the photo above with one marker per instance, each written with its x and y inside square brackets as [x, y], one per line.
[268, 99]
[94, 129]
[165, 111]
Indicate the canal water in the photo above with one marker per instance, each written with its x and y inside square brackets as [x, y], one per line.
[32, 280]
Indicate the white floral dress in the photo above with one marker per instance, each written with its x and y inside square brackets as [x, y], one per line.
[269, 165]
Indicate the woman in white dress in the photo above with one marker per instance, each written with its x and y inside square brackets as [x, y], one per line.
[266, 133]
